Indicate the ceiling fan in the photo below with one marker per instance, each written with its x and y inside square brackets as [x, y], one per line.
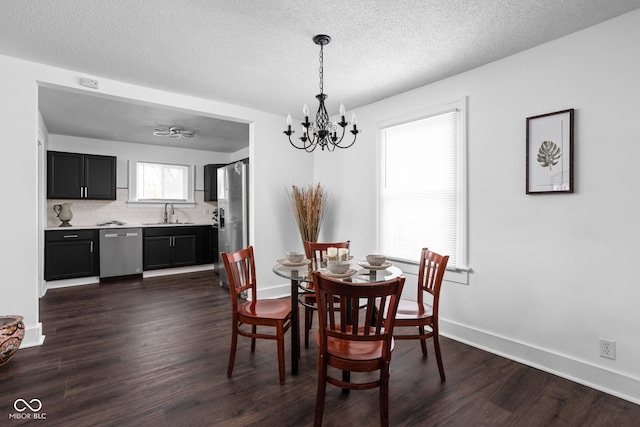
[174, 132]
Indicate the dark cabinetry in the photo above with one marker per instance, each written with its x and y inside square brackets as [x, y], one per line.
[208, 245]
[211, 182]
[80, 176]
[70, 254]
[166, 247]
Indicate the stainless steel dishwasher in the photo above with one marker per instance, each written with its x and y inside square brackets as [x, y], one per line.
[120, 252]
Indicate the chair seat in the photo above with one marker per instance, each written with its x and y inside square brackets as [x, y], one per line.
[354, 350]
[412, 310]
[268, 309]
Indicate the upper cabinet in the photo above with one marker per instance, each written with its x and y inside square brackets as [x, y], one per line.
[80, 176]
[211, 182]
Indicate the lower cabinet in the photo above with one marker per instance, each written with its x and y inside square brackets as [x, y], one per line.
[167, 247]
[75, 253]
[208, 245]
[70, 254]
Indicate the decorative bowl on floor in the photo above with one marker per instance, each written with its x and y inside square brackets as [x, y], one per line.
[11, 334]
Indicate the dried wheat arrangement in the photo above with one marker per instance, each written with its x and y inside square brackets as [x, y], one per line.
[308, 205]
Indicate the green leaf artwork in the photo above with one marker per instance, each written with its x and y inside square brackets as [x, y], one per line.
[549, 154]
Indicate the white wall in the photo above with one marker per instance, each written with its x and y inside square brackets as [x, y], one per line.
[551, 273]
[274, 167]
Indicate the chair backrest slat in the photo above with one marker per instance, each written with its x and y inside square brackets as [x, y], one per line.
[241, 271]
[349, 311]
[430, 275]
[313, 250]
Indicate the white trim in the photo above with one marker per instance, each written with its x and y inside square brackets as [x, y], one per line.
[66, 283]
[92, 280]
[457, 275]
[177, 270]
[133, 186]
[606, 380]
[32, 336]
[458, 105]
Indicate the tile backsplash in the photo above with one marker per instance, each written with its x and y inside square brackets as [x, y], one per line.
[92, 212]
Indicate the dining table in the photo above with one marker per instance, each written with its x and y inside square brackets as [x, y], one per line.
[299, 275]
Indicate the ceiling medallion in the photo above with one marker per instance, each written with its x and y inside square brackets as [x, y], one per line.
[174, 132]
[322, 133]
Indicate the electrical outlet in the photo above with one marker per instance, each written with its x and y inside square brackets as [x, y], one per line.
[608, 348]
[93, 84]
[206, 211]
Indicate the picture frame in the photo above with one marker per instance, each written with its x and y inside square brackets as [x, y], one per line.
[550, 153]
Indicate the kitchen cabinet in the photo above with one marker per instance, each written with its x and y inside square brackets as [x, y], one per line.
[70, 254]
[211, 182]
[181, 246]
[208, 245]
[80, 176]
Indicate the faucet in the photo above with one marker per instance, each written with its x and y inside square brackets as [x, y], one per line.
[166, 216]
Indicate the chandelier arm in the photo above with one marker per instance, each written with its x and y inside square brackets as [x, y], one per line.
[307, 147]
[347, 146]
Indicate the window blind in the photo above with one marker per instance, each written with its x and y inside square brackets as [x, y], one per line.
[418, 197]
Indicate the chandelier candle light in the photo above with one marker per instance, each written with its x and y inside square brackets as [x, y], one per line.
[323, 132]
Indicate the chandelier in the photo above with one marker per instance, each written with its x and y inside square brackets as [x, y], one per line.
[323, 132]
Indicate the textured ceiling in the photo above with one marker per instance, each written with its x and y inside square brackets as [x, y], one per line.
[259, 53]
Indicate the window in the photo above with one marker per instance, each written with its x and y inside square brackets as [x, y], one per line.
[422, 187]
[160, 182]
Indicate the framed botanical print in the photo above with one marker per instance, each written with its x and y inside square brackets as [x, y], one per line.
[550, 153]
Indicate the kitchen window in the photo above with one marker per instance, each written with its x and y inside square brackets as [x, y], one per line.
[160, 182]
[422, 184]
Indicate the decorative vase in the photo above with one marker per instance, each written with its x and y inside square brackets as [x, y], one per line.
[308, 205]
[11, 334]
[64, 213]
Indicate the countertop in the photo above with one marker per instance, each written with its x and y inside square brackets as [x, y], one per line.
[144, 225]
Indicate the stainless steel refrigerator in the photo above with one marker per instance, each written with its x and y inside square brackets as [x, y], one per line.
[233, 212]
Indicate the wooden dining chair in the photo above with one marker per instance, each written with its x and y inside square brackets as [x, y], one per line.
[354, 337]
[315, 252]
[248, 315]
[423, 313]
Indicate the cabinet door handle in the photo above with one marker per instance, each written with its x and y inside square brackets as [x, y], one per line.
[71, 236]
[91, 249]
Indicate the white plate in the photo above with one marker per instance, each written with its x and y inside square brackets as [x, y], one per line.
[368, 266]
[288, 263]
[350, 272]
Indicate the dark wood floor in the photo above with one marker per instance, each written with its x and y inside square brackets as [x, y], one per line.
[154, 351]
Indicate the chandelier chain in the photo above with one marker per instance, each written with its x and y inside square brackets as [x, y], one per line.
[321, 70]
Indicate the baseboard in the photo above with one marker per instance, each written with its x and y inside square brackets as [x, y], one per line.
[277, 291]
[65, 283]
[596, 377]
[32, 336]
[177, 270]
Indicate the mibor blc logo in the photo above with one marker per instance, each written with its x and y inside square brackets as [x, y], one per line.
[28, 410]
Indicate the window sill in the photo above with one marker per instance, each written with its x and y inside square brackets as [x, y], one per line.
[456, 275]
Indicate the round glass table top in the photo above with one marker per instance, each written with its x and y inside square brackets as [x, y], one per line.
[355, 274]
